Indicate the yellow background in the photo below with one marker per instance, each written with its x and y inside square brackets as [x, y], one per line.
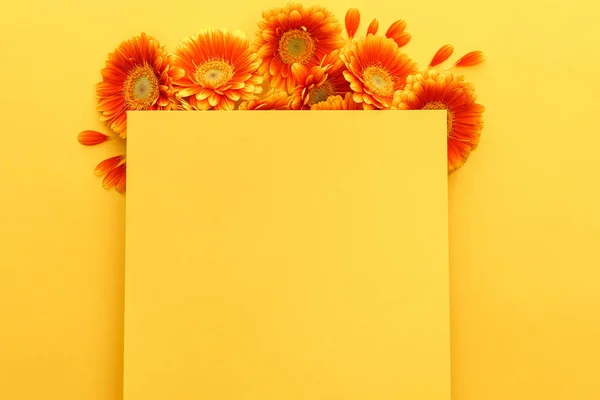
[524, 211]
[298, 264]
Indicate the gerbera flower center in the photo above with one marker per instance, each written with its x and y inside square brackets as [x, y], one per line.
[319, 94]
[296, 46]
[214, 73]
[379, 81]
[141, 88]
[439, 105]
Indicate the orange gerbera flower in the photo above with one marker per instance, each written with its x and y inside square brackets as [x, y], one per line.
[319, 82]
[216, 68]
[137, 76]
[274, 99]
[295, 34]
[338, 103]
[430, 90]
[376, 68]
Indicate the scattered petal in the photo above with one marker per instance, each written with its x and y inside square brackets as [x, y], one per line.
[121, 183]
[470, 59]
[396, 32]
[114, 177]
[442, 55]
[104, 167]
[396, 28]
[352, 22]
[373, 27]
[402, 39]
[91, 138]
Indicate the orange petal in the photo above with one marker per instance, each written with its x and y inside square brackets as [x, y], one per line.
[214, 99]
[402, 39]
[442, 55]
[295, 18]
[373, 27]
[352, 21]
[91, 138]
[120, 186]
[396, 28]
[177, 73]
[113, 178]
[107, 165]
[299, 72]
[469, 59]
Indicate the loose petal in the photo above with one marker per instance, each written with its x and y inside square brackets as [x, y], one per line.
[352, 22]
[396, 28]
[402, 39]
[442, 55]
[107, 165]
[113, 178]
[470, 59]
[91, 138]
[121, 184]
[373, 27]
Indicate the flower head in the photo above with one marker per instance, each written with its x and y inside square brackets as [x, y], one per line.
[295, 34]
[137, 76]
[376, 68]
[216, 68]
[430, 90]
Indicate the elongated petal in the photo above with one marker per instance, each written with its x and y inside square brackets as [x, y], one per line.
[396, 28]
[113, 178]
[442, 55]
[107, 165]
[373, 27]
[471, 58]
[91, 138]
[352, 21]
[121, 183]
[402, 39]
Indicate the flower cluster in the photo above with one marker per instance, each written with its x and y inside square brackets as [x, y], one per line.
[301, 58]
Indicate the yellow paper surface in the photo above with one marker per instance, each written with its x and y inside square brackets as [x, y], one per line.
[287, 255]
[524, 215]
